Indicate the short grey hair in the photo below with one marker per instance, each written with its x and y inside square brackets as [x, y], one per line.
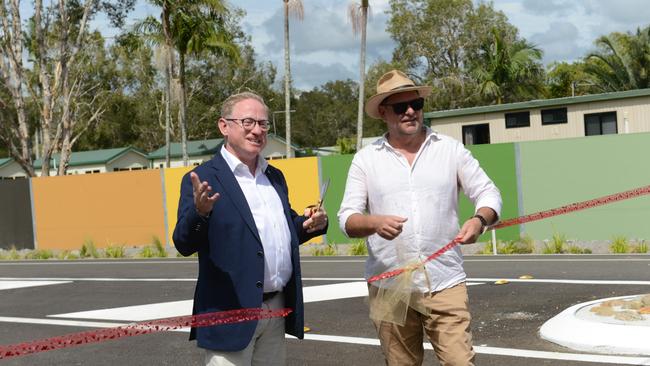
[230, 102]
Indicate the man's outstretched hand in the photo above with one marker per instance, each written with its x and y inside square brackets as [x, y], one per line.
[203, 200]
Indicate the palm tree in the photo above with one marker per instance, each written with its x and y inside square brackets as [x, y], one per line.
[198, 26]
[295, 8]
[358, 13]
[191, 27]
[509, 71]
[622, 61]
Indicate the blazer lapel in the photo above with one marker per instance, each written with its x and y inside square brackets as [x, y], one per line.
[232, 189]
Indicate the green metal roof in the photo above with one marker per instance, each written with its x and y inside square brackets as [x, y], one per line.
[5, 161]
[201, 147]
[92, 157]
[194, 148]
[538, 103]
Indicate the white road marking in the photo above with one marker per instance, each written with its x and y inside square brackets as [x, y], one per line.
[98, 279]
[20, 283]
[139, 262]
[184, 307]
[552, 280]
[512, 352]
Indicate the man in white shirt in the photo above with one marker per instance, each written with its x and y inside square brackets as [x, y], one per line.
[402, 194]
[234, 211]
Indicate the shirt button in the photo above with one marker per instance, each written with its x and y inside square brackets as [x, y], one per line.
[260, 254]
[259, 284]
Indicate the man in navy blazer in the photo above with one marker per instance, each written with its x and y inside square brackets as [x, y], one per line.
[234, 211]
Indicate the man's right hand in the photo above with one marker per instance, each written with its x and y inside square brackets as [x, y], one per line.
[388, 227]
[203, 201]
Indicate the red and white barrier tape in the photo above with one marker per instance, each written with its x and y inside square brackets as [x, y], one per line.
[159, 325]
[528, 218]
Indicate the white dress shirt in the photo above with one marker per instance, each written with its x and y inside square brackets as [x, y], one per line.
[381, 182]
[271, 223]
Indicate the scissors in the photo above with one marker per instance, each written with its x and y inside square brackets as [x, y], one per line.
[323, 190]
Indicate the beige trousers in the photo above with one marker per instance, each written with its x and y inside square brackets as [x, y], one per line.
[268, 346]
[447, 327]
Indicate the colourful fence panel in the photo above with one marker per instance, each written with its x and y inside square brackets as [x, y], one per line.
[498, 161]
[172, 178]
[303, 181]
[16, 228]
[560, 172]
[335, 167]
[122, 208]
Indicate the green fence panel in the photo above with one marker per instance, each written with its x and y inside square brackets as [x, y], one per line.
[559, 172]
[335, 167]
[498, 161]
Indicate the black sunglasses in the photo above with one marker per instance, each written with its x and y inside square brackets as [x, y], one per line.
[401, 107]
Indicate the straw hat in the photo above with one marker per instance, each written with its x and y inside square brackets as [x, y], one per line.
[390, 83]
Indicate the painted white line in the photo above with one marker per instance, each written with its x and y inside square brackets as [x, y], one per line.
[333, 279]
[81, 262]
[67, 323]
[99, 279]
[560, 260]
[512, 352]
[12, 284]
[135, 313]
[581, 282]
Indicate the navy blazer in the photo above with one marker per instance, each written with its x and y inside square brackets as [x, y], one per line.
[231, 256]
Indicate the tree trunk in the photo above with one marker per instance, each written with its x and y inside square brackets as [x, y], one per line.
[12, 71]
[362, 73]
[168, 80]
[181, 108]
[287, 80]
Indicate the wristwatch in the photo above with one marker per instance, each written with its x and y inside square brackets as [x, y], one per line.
[484, 223]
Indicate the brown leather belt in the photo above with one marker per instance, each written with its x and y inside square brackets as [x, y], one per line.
[269, 295]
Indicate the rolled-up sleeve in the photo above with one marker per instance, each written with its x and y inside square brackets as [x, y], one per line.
[355, 197]
[476, 184]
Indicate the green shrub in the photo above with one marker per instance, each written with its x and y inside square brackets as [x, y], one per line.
[40, 254]
[88, 250]
[13, 253]
[160, 248]
[67, 254]
[115, 251]
[487, 248]
[329, 250]
[359, 247]
[557, 244]
[148, 251]
[619, 245]
[574, 249]
[641, 247]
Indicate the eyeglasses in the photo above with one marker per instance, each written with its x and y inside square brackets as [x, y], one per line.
[249, 123]
[401, 107]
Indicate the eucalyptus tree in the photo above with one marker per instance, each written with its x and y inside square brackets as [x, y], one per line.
[54, 41]
[291, 8]
[358, 13]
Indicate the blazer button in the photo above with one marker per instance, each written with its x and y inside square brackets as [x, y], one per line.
[259, 284]
[260, 254]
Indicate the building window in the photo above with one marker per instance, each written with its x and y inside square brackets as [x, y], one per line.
[600, 124]
[476, 134]
[554, 116]
[518, 119]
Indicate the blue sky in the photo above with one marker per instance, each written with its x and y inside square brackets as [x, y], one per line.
[323, 47]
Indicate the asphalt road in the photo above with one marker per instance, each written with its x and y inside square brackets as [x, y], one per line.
[506, 318]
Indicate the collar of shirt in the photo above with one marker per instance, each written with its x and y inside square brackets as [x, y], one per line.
[383, 141]
[234, 162]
